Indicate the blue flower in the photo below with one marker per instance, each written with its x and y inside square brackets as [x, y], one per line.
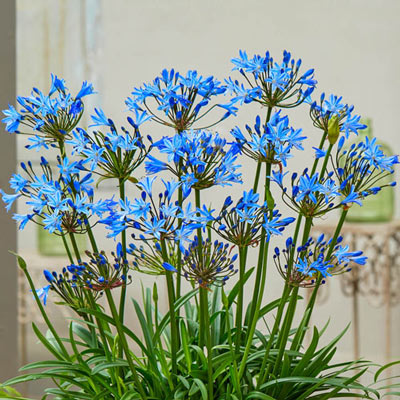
[100, 118]
[352, 124]
[42, 293]
[140, 118]
[67, 169]
[277, 177]
[86, 89]
[146, 184]
[333, 105]
[81, 205]
[140, 209]
[79, 142]
[154, 166]
[352, 197]
[344, 256]
[308, 187]
[94, 156]
[17, 182]
[274, 226]
[154, 227]
[37, 142]
[22, 219]
[37, 203]
[9, 199]
[179, 97]
[319, 153]
[12, 119]
[271, 84]
[242, 95]
[52, 222]
[57, 84]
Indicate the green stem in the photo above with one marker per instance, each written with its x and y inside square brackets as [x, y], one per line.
[257, 177]
[179, 255]
[230, 342]
[44, 315]
[67, 249]
[205, 319]
[261, 255]
[311, 302]
[255, 318]
[75, 247]
[125, 267]
[202, 322]
[171, 302]
[259, 283]
[321, 145]
[284, 335]
[124, 343]
[279, 314]
[92, 239]
[239, 307]
[199, 236]
[326, 159]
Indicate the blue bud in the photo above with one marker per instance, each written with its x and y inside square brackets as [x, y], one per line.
[49, 276]
[119, 250]
[169, 267]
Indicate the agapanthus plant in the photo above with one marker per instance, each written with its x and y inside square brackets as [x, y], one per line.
[209, 344]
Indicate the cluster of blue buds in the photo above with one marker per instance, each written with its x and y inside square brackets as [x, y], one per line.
[100, 272]
[208, 263]
[96, 275]
[150, 259]
[51, 116]
[313, 259]
[66, 288]
[270, 143]
[199, 159]
[270, 83]
[180, 100]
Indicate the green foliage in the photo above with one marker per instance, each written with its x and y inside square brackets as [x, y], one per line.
[89, 373]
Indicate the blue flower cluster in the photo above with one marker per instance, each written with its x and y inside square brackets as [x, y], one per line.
[356, 174]
[270, 83]
[52, 116]
[111, 154]
[198, 158]
[154, 219]
[241, 224]
[360, 169]
[312, 258]
[270, 143]
[61, 202]
[181, 100]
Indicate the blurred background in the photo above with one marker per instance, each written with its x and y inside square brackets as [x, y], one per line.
[353, 46]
